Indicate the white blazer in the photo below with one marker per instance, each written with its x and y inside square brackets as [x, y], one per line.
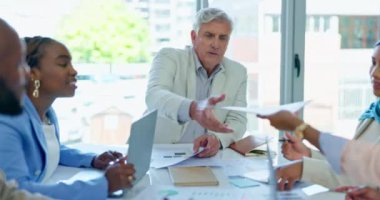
[317, 169]
[360, 160]
[172, 80]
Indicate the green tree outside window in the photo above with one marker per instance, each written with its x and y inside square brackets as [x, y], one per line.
[105, 31]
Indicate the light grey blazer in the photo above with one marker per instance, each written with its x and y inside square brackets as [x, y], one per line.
[172, 79]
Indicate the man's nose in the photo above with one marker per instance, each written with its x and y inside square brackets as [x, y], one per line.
[215, 43]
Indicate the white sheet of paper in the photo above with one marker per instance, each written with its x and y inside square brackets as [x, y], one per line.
[195, 161]
[168, 156]
[259, 175]
[314, 189]
[238, 167]
[292, 107]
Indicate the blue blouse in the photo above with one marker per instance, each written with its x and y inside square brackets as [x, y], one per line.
[23, 157]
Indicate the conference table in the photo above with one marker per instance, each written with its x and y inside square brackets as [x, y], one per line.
[157, 184]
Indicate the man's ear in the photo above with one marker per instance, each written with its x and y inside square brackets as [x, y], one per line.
[193, 36]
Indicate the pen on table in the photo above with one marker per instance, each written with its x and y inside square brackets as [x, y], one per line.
[284, 140]
[175, 155]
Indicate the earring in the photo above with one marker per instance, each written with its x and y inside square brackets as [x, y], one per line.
[37, 85]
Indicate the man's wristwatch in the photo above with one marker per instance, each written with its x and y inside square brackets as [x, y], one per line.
[300, 129]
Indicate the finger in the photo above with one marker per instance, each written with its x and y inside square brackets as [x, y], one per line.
[117, 154]
[343, 188]
[359, 191]
[212, 146]
[285, 146]
[215, 100]
[278, 174]
[225, 129]
[105, 155]
[205, 153]
[128, 172]
[210, 142]
[291, 137]
[290, 184]
[127, 181]
[217, 126]
[122, 160]
[130, 180]
[281, 184]
[197, 144]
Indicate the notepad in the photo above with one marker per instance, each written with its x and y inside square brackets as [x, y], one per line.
[247, 145]
[192, 176]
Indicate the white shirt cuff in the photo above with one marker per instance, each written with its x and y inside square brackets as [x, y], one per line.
[332, 147]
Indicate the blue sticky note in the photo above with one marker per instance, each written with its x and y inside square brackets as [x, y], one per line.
[242, 182]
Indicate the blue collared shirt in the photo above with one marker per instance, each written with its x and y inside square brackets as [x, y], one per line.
[203, 90]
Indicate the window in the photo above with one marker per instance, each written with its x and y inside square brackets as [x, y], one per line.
[337, 63]
[318, 23]
[354, 97]
[359, 31]
[110, 95]
[276, 24]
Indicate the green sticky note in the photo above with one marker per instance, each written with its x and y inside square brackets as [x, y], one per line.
[242, 182]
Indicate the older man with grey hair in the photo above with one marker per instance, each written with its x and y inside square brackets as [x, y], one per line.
[185, 84]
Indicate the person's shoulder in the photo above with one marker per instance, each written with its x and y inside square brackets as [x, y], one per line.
[233, 66]
[175, 52]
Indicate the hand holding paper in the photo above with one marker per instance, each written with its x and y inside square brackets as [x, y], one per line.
[210, 143]
[201, 111]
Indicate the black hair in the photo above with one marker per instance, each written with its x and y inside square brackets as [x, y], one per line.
[377, 43]
[35, 47]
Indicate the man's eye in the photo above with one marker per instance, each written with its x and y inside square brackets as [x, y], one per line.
[209, 35]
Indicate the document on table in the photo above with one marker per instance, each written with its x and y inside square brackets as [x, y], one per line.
[179, 193]
[292, 107]
[258, 175]
[168, 156]
[195, 161]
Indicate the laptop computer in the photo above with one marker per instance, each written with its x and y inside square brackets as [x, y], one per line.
[140, 147]
[274, 193]
[141, 144]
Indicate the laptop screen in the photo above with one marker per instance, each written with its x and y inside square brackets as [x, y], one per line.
[272, 175]
[274, 193]
[141, 144]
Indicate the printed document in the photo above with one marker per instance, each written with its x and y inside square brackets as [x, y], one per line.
[165, 156]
